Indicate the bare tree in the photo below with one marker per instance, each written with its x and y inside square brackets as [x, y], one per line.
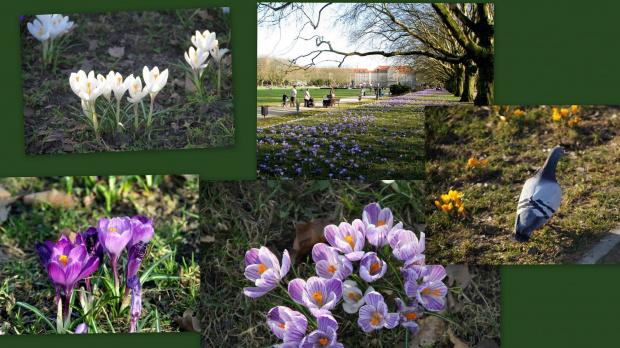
[457, 34]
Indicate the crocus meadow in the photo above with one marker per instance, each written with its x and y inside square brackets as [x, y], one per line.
[379, 140]
[357, 256]
[68, 263]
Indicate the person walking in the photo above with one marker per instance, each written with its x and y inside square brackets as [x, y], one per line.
[306, 97]
[293, 94]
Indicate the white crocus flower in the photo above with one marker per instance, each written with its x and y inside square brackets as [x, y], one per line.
[89, 90]
[196, 59]
[40, 30]
[105, 82]
[353, 296]
[76, 80]
[154, 83]
[205, 40]
[217, 56]
[119, 87]
[136, 93]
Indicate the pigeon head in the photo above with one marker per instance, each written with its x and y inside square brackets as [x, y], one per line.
[547, 171]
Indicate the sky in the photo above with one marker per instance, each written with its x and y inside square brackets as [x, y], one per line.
[279, 42]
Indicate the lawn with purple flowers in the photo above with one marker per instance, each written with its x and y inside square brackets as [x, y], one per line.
[98, 254]
[266, 241]
[380, 140]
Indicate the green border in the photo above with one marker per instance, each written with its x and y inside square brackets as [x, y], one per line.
[554, 52]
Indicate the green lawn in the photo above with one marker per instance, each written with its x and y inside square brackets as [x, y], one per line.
[266, 96]
[588, 176]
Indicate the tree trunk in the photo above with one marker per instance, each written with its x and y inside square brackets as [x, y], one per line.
[484, 85]
[458, 80]
[470, 81]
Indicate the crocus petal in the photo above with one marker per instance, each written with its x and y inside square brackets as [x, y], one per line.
[296, 289]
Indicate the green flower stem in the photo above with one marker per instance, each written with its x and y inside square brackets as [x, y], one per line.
[135, 117]
[308, 315]
[148, 122]
[118, 112]
[219, 72]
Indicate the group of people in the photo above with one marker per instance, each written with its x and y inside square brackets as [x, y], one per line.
[308, 99]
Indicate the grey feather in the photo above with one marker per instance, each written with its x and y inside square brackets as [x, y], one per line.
[539, 200]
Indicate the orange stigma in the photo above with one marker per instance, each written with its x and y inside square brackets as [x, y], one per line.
[41, 31]
[352, 295]
[119, 81]
[349, 239]
[136, 88]
[434, 292]
[331, 269]
[64, 260]
[261, 269]
[319, 298]
[375, 319]
[77, 78]
[411, 316]
[323, 341]
[381, 223]
[374, 268]
[282, 326]
[156, 75]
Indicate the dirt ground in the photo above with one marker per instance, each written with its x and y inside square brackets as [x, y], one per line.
[149, 38]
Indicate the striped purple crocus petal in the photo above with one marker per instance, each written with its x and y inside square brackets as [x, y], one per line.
[329, 263]
[347, 238]
[374, 315]
[136, 301]
[287, 324]
[408, 315]
[319, 295]
[372, 267]
[324, 336]
[81, 329]
[263, 268]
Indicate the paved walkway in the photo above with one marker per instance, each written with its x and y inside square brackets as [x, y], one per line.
[280, 111]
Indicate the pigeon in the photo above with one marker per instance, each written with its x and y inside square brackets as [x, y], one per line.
[539, 200]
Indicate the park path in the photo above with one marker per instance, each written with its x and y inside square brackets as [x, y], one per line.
[277, 110]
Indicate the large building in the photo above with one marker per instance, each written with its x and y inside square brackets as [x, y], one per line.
[385, 76]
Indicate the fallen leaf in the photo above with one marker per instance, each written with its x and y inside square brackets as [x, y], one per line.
[67, 232]
[460, 273]
[431, 330]
[88, 200]
[457, 342]
[205, 15]
[454, 302]
[308, 234]
[53, 136]
[189, 322]
[207, 239]
[53, 197]
[5, 201]
[189, 85]
[116, 51]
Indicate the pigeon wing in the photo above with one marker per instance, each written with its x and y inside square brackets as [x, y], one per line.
[539, 200]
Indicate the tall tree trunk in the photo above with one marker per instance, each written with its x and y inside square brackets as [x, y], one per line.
[458, 80]
[470, 81]
[485, 82]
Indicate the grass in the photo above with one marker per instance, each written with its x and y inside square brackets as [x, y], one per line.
[169, 289]
[515, 150]
[273, 97]
[240, 215]
[379, 140]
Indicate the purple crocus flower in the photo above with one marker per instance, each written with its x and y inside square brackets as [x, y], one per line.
[374, 315]
[141, 231]
[114, 235]
[405, 245]
[379, 223]
[81, 329]
[44, 250]
[347, 238]
[91, 240]
[372, 267]
[319, 295]
[324, 335]
[287, 324]
[67, 265]
[329, 263]
[408, 315]
[263, 268]
[137, 252]
[136, 301]
[431, 292]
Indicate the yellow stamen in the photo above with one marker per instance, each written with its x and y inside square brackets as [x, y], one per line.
[374, 268]
[195, 58]
[156, 75]
[119, 81]
[375, 319]
[136, 88]
[88, 85]
[352, 295]
[331, 269]
[112, 229]
[217, 52]
[319, 298]
[64, 260]
[323, 341]
[77, 78]
[381, 223]
[261, 269]
[434, 292]
[350, 240]
[41, 31]
[411, 316]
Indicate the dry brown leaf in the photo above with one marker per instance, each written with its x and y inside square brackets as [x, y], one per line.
[5, 201]
[460, 273]
[457, 342]
[431, 330]
[207, 239]
[53, 197]
[93, 45]
[454, 303]
[308, 234]
[205, 15]
[189, 85]
[189, 322]
[67, 232]
[116, 51]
